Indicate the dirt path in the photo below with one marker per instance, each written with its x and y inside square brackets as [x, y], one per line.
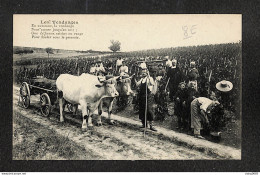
[116, 142]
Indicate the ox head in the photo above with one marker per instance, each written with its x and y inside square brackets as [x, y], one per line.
[109, 86]
[124, 85]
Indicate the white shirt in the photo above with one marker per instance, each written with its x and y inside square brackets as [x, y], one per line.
[123, 69]
[101, 68]
[169, 63]
[150, 83]
[205, 102]
[119, 62]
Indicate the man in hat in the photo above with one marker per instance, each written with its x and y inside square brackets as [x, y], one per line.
[223, 88]
[200, 108]
[174, 75]
[146, 98]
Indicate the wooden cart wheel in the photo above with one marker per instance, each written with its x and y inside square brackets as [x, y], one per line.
[45, 104]
[25, 95]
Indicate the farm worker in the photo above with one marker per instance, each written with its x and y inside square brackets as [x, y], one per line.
[174, 76]
[109, 68]
[192, 93]
[160, 72]
[92, 68]
[123, 68]
[100, 70]
[168, 62]
[146, 81]
[200, 108]
[179, 107]
[193, 74]
[119, 63]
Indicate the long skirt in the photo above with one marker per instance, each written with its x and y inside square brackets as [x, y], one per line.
[195, 116]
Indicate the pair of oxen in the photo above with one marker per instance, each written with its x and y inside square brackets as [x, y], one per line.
[90, 92]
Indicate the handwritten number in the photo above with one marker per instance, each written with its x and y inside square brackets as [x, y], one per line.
[193, 28]
[189, 31]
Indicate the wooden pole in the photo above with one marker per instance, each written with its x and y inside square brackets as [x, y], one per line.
[146, 103]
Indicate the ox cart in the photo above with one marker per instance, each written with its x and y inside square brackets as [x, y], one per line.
[47, 90]
[42, 86]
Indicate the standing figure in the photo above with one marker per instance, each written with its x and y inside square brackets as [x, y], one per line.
[192, 93]
[174, 76]
[180, 102]
[100, 70]
[119, 64]
[92, 69]
[168, 62]
[160, 72]
[146, 98]
[193, 74]
[123, 68]
[200, 107]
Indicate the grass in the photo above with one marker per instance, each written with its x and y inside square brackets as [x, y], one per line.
[31, 141]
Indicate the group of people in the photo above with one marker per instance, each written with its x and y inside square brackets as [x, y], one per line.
[188, 76]
[193, 110]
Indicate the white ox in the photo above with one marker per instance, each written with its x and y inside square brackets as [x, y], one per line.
[123, 86]
[85, 90]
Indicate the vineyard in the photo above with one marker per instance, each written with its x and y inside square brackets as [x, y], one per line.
[214, 63]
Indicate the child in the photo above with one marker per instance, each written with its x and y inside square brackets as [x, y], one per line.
[180, 100]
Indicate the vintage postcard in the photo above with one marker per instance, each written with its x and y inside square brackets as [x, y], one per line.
[127, 87]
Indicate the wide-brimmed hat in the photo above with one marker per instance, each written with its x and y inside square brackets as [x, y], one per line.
[224, 86]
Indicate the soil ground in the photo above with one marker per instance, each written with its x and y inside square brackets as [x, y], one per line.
[39, 138]
[231, 133]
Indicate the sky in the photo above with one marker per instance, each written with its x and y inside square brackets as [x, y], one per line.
[135, 32]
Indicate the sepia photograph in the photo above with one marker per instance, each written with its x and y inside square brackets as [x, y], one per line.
[127, 87]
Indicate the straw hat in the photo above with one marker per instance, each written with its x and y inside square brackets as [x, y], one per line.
[224, 86]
